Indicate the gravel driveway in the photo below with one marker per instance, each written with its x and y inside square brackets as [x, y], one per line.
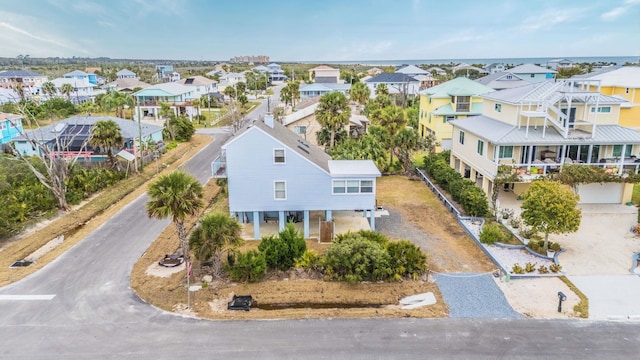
[467, 295]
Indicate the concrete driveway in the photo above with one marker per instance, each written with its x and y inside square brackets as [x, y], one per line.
[611, 297]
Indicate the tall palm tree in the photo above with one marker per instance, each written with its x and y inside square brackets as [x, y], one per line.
[107, 135]
[382, 89]
[176, 195]
[333, 111]
[66, 90]
[393, 119]
[118, 101]
[360, 93]
[49, 89]
[216, 234]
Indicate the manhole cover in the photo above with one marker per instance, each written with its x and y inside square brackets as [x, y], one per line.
[21, 263]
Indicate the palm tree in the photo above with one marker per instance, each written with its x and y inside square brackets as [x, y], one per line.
[360, 93]
[66, 90]
[333, 111]
[118, 101]
[382, 89]
[285, 95]
[393, 119]
[106, 135]
[49, 89]
[216, 234]
[20, 91]
[176, 195]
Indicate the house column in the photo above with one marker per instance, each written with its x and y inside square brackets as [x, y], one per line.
[473, 174]
[281, 220]
[256, 225]
[461, 168]
[372, 219]
[327, 215]
[529, 157]
[622, 155]
[306, 223]
[590, 154]
[485, 185]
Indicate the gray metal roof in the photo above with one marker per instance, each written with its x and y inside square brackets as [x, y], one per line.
[500, 80]
[531, 69]
[349, 168]
[391, 78]
[128, 128]
[500, 133]
[126, 72]
[545, 90]
[19, 73]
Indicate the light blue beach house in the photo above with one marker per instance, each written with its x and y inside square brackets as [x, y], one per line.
[10, 126]
[273, 174]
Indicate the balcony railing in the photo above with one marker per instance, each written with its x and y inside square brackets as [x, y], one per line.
[219, 167]
[613, 166]
[157, 103]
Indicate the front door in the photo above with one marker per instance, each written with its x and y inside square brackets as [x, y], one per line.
[524, 159]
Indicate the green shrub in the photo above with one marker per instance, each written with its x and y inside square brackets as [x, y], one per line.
[555, 268]
[365, 234]
[491, 233]
[357, 259]
[281, 251]
[530, 267]
[249, 266]
[527, 232]
[406, 260]
[310, 260]
[543, 269]
[517, 269]
[172, 145]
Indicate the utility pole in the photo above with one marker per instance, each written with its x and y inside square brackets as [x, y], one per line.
[139, 133]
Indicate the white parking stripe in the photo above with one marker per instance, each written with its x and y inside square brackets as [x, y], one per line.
[26, 297]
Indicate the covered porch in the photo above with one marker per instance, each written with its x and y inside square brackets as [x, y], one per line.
[307, 222]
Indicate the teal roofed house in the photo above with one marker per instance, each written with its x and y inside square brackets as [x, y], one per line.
[81, 75]
[178, 97]
[319, 89]
[451, 100]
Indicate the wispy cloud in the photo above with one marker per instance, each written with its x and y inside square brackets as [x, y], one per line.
[619, 10]
[105, 23]
[547, 19]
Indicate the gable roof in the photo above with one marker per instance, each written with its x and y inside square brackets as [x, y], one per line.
[500, 80]
[391, 78]
[125, 72]
[196, 81]
[77, 83]
[323, 67]
[76, 73]
[625, 76]
[531, 69]
[5, 116]
[544, 90]
[412, 70]
[128, 128]
[128, 84]
[460, 86]
[19, 73]
[501, 133]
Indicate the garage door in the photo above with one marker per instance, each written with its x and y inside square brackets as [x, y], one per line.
[610, 193]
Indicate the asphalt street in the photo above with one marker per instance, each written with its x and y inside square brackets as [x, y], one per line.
[92, 313]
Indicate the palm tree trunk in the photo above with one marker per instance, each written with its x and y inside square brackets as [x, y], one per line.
[333, 136]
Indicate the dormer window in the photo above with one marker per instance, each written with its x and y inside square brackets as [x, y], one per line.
[278, 156]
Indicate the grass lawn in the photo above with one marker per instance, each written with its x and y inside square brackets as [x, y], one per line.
[635, 196]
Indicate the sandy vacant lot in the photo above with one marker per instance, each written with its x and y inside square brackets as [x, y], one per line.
[538, 297]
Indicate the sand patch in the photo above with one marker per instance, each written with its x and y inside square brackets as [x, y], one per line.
[538, 297]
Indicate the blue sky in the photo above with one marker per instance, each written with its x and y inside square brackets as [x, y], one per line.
[308, 30]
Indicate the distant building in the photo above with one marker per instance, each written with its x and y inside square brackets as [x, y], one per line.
[324, 74]
[495, 68]
[126, 74]
[502, 80]
[10, 127]
[556, 64]
[396, 83]
[81, 75]
[254, 59]
[31, 81]
[533, 73]
[412, 70]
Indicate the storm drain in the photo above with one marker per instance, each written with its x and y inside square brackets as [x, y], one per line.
[21, 263]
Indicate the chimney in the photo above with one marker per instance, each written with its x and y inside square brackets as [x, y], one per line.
[268, 120]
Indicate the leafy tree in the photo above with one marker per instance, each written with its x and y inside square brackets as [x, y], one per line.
[250, 266]
[241, 87]
[243, 99]
[405, 142]
[107, 135]
[230, 91]
[333, 112]
[550, 208]
[179, 128]
[412, 116]
[286, 96]
[392, 119]
[176, 195]
[118, 101]
[66, 90]
[567, 72]
[216, 234]
[370, 146]
[281, 251]
[360, 93]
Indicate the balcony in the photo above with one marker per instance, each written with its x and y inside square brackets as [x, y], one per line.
[529, 172]
[219, 167]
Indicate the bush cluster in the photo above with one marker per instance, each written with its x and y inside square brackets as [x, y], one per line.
[370, 256]
[281, 251]
[538, 246]
[249, 266]
[492, 233]
[463, 191]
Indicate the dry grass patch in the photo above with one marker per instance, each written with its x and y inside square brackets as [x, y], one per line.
[81, 221]
[449, 247]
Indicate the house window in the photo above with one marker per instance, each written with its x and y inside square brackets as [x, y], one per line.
[509, 77]
[462, 137]
[602, 109]
[463, 104]
[278, 156]
[352, 187]
[366, 186]
[505, 152]
[301, 130]
[617, 150]
[480, 147]
[626, 91]
[3, 126]
[448, 118]
[497, 107]
[280, 190]
[532, 75]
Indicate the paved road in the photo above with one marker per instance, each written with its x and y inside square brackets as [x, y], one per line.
[95, 315]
